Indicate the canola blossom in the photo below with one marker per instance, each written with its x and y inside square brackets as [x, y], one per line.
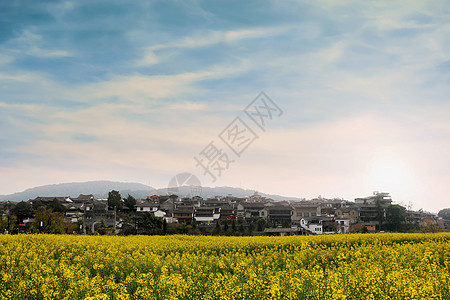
[370, 266]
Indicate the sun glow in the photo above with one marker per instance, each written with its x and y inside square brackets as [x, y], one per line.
[390, 174]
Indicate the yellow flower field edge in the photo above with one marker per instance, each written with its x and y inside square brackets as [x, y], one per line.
[371, 266]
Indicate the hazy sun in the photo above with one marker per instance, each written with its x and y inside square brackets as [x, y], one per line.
[389, 174]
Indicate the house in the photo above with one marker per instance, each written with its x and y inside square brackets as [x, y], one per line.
[278, 214]
[328, 206]
[343, 225]
[311, 226]
[372, 209]
[319, 225]
[168, 206]
[282, 231]
[83, 198]
[249, 211]
[305, 210]
[206, 215]
[48, 200]
[347, 213]
[184, 214]
[146, 205]
[227, 212]
[74, 211]
[97, 212]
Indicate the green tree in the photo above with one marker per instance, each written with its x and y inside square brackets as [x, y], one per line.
[261, 223]
[444, 213]
[48, 221]
[394, 217]
[56, 206]
[36, 204]
[22, 210]
[217, 229]
[115, 200]
[251, 227]
[129, 202]
[164, 226]
[233, 226]
[149, 224]
[241, 229]
[7, 221]
[225, 226]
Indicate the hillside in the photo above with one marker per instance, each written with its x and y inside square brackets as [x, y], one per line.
[100, 189]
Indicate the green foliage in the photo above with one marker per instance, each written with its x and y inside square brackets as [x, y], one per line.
[114, 200]
[225, 226]
[251, 227]
[261, 223]
[22, 210]
[129, 202]
[233, 226]
[56, 206]
[241, 229]
[175, 228]
[52, 222]
[37, 204]
[217, 229]
[149, 224]
[7, 221]
[394, 217]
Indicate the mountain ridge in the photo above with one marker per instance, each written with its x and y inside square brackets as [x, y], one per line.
[100, 189]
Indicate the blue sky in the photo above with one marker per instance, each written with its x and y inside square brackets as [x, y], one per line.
[132, 91]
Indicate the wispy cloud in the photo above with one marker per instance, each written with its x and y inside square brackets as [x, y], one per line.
[134, 91]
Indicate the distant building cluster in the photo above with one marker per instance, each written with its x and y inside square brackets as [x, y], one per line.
[255, 215]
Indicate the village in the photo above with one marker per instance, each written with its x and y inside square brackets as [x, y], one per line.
[221, 215]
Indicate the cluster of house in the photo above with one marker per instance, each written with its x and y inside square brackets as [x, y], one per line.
[315, 216]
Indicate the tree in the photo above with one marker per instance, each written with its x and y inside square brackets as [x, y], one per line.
[149, 224]
[56, 206]
[394, 217]
[241, 229]
[129, 202]
[261, 223]
[164, 226]
[250, 229]
[22, 210]
[233, 225]
[48, 221]
[36, 204]
[7, 221]
[217, 229]
[444, 213]
[225, 226]
[114, 200]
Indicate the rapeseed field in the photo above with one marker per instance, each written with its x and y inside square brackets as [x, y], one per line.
[364, 266]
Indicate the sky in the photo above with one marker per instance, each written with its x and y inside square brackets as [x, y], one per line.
[355, 95]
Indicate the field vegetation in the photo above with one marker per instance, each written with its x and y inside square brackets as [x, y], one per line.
[358, 266]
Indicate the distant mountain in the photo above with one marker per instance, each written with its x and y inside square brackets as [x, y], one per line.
[208, 192]
[100, 189]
